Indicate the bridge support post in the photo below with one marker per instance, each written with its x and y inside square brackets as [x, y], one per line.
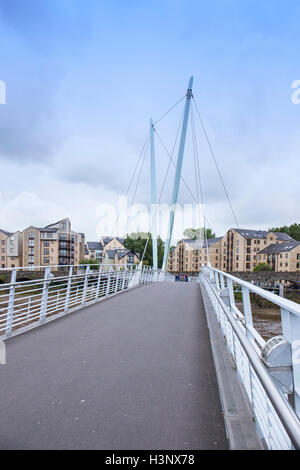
[108, 282]
[117, 279]
[98, 283]
[86, 280]
[68, 289]
[11, 302]
[124, 277]
[44, 301]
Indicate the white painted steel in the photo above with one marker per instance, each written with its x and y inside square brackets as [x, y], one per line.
[27, 304]
[278, 423]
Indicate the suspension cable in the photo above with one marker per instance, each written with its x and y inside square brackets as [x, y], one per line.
[165, 114]
[198, 180]
[215, 160]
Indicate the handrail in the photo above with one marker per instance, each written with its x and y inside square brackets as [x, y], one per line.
[285, 412]
[280, 301]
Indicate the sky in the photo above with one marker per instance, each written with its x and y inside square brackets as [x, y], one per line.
[83, 79]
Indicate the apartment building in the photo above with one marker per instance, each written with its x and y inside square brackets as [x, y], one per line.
[237, 251]
[11, 249]
[55, 244]
[121, 257]
[281, 256]
[189, 255]
[240, 247]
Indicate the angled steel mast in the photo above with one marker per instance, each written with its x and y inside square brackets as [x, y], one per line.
[178, 172]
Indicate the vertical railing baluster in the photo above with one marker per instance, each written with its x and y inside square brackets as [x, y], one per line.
[11, 302]
[68, 289]
[124, 277]
[117, 279]
[44, 300]
[85, 286]
[98, 283]
[108, 282]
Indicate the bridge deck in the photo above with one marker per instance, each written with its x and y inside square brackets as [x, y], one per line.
[133, 372]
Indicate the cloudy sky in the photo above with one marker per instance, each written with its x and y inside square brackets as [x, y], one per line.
[83, 79]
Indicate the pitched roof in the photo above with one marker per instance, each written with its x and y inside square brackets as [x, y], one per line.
[261, 234]
[106, 240]
[94, 245]
[279, 248]
[8, 234]
[56, 223]
[199, 243]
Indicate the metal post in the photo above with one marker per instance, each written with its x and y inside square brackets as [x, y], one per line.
[178, 173]
[98, 282]
[108, 282]
[86, 280]
[291, 332]
[124, 278]
[44, 302]
[117, 279]
[68, 289]
[11, 301]
[153, 196]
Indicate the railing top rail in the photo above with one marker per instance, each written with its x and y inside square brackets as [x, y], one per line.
[52, 266]
[274, 298]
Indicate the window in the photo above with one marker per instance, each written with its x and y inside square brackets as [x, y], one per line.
[46, 243]
[286, 255]
[13, 258]
[3, 242]
[46, 252]
[46, 260]
[31, 234]
[2, 250]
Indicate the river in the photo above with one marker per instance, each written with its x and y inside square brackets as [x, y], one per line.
[267, 321]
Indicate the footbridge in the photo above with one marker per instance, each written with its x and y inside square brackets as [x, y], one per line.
[124, 358]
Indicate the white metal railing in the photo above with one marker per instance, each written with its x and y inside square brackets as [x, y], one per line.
[26, 304]
[277, 421]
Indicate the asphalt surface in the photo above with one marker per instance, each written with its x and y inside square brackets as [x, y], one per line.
[132, 372]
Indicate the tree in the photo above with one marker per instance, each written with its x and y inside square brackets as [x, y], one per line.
[262, 267]
[137, 241]
[90, 261]
[292, 230]
[196, 233]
